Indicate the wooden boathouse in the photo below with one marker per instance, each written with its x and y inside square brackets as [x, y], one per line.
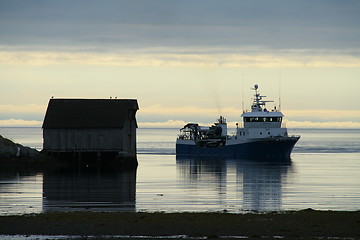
[91, 128]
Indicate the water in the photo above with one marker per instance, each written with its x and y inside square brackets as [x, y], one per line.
[324, 174]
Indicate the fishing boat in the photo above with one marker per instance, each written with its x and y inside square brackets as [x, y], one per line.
[261, 135]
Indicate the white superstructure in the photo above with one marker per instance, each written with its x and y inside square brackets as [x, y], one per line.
[261, 122]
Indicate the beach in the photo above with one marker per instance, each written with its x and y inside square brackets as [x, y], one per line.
[297, 225]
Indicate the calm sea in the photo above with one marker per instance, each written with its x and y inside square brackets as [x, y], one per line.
[324, 174]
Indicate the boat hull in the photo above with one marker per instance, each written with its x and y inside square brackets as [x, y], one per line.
[255, 149]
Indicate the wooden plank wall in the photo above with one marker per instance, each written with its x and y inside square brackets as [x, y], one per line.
[95, 139]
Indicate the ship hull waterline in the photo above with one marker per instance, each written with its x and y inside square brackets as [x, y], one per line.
[279, 149]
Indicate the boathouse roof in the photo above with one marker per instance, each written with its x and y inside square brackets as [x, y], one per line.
[89, 113]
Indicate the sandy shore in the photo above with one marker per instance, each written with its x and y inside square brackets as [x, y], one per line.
[303, 224]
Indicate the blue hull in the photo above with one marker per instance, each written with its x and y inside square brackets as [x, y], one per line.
[264, 149]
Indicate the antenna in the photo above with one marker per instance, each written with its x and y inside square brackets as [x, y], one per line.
[242, 94]
[280, 89]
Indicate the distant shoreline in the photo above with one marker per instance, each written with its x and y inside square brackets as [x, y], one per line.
[289, 224]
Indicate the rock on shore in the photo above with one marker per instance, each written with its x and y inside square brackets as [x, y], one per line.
[9, 150]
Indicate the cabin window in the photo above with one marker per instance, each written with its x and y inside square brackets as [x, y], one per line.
[275, 119]
[254, 119]
[262, 119]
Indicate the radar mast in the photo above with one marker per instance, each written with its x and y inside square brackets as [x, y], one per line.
[258, 102]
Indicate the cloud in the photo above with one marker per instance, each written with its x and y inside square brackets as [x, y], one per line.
[180, 123]
[324, 115]
[181, 33]
[184, 58]
[178, 111]
[330, 124]
[113, 25]
[195, 113]
[288, 124]
[167, 124]
[28, 108]
[312, 114]
[20, 123]
[293, 119]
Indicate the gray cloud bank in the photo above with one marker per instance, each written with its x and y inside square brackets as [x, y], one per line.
[88, 25]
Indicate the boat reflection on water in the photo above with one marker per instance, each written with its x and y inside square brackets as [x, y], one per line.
[82, 188]
[256, 184]
[262, 184]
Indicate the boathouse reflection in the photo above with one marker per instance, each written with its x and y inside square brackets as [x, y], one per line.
[91, 188]
[258, 184]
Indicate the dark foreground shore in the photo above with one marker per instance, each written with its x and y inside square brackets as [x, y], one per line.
[307, 224]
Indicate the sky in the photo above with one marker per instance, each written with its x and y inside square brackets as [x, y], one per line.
[184, 61]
